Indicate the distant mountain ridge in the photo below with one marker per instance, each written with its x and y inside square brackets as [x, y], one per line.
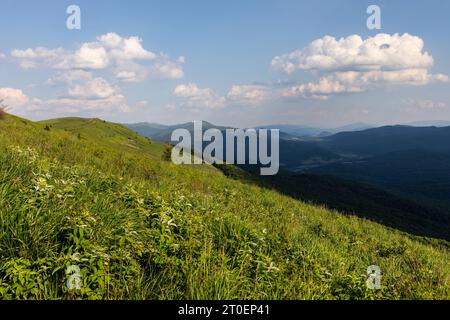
[410, 161]
[389, 139]
[161, 133]
[429, 123]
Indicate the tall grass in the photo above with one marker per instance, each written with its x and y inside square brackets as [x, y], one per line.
[95, 195]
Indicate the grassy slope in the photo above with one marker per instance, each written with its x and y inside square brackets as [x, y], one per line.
[97, 195]
[409, 215]
[108, 135]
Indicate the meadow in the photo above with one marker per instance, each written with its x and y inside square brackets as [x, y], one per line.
[94, 194]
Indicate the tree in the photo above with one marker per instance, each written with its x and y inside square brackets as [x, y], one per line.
[3, 108]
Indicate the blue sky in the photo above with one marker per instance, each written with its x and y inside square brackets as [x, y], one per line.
[214, 60]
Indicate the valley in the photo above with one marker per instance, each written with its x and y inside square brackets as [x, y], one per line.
[96, 194]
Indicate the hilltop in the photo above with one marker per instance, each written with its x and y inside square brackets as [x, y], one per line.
[162, 133]
[97, 195]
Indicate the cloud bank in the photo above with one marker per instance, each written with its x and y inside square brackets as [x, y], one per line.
[117, 59]
[343, 66]
[351, 64]
[92, 74]
[126, 57]
[194, 97]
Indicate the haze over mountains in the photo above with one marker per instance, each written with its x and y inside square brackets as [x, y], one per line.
[304, 131]
[161, 132]
[389, 168]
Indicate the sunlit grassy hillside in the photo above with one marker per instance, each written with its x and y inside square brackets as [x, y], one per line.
[96, 195]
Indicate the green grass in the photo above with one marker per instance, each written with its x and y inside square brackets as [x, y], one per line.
[94, 194]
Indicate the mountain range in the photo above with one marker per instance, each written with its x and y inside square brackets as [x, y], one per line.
[408, 163]
[95, 194]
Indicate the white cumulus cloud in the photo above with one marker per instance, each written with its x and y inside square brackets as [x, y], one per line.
[97, 88]
[250, 95]
[198, 98]
[343, 66]
[70, 76]
[125, 48]
[12, 99]
[90, 76]
[95, 98]
[351, 64]
[381, 52]
[124, 56]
